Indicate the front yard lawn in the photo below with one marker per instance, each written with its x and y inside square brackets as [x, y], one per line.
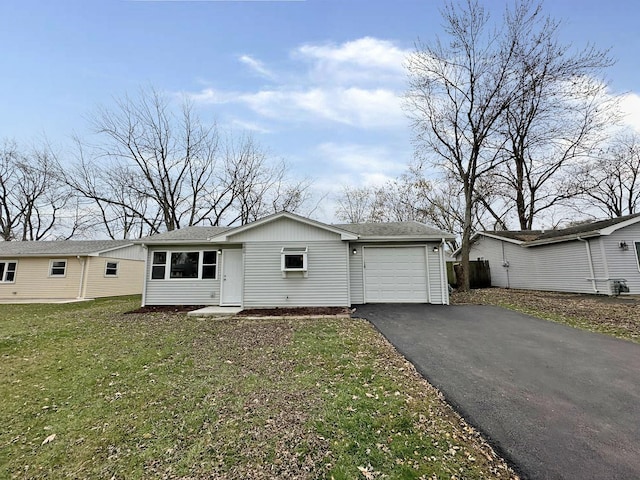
[89, 392]
[617, 316]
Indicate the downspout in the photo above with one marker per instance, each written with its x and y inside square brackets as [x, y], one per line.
[593, 277]
[83, 263]
[505, 264]
[146, 273]
[444, 284]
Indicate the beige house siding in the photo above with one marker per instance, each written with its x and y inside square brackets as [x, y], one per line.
[128, 281]
[33, 280]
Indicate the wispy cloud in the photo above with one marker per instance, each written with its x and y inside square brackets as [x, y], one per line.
[357, 83]
[354, 106]
[257, 66]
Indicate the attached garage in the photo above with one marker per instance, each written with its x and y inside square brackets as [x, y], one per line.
[395, 274]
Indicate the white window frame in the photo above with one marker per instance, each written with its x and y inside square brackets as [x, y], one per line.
[637, 249]
[214, 265]
[107, 268]
[167, 264]
[5, 270]
[291, 251]
[51, 267]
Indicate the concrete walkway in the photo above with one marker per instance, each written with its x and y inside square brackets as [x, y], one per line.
[555, 401]
[215, 311]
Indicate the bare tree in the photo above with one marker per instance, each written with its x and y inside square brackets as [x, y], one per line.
[34, 204]
[611, 182]
[357, 205]
[459, 90]
[559, 117]
[152, 169]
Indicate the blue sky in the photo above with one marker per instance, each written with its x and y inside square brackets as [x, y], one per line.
[317, 82]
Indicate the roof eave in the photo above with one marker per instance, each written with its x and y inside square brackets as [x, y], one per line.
[419, 238]
[564, 238]
[500, 237]
[224, 237]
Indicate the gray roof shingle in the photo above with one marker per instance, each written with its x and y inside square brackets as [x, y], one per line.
[63, 247]
[186, 234]
[591, 228]
[393, 229]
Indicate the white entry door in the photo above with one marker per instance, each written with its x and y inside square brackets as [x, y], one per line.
[395, 275]
[231, 281]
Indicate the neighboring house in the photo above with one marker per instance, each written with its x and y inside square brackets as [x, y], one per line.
[288, 260]
[70, 269]
[588, 258]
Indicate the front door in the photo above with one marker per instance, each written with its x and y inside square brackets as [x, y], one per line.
[231, 284]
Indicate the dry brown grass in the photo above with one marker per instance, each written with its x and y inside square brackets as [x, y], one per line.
[617, 316]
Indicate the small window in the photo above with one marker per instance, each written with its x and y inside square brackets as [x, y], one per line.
[209, 262]
[638, 254]
[158, 267]
[184, 264]
[111, 269]
[294, 259]
[58, 268]
[8, 271]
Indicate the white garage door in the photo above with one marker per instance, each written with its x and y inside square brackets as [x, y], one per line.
[395, 275]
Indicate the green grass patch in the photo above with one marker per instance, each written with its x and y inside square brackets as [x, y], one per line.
[89, 392]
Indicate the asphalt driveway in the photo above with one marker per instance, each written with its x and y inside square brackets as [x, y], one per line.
[557, 402]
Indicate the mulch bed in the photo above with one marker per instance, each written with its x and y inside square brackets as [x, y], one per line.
[294, 311]
[166, 308]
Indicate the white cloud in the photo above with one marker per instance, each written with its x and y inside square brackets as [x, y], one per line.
[257, 66]
[250, 126]
[630, 106]
[365, 61]
[364, 108]
[356, 83]
[360, 164]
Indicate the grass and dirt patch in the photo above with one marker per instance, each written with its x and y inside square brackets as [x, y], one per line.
[616, 316]
[89, 392]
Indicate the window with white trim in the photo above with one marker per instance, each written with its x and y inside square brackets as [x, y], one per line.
[58, 268]
[637, 244]
[158, 265]
[209, 264]
[294, 259]
[181, 264]
[111, 269]
[8, 271]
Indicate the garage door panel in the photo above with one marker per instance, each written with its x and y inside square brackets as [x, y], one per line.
[395, 274]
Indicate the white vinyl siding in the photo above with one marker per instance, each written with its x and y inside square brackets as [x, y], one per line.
[563, 267]
[181, 291]
[356, 275]
[324, 284]
[285, 228]
[623, 263]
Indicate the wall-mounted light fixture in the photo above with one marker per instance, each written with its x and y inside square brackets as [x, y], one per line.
[219, 251]
[623, 245]
[436, 249]
[354, 251]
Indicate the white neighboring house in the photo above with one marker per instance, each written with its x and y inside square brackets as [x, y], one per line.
[588, 258]
[70, 269]
[288, 260]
